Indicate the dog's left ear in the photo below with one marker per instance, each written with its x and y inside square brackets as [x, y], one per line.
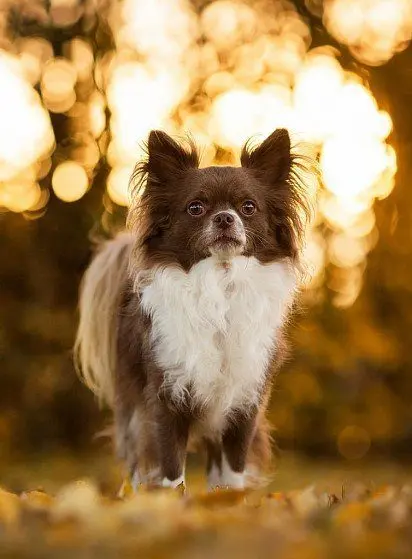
[271, 159]
[166, 157]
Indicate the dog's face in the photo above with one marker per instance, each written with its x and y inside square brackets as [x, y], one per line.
[186, 214]
[217, 210]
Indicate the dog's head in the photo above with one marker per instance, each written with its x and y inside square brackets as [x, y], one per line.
[185, 213]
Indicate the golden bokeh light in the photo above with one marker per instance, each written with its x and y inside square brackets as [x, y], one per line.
[229, 71]
[97, 115]
[138, 104]
[57, 84]
[80, 53]
[70, 181]
[86, 153]
[346, 251]
[318, 84]
[65, 12]
[26, 132]
[34, 52]
[367, 157]
[43, 167]
[162, 30]
[261, 112]
[227, 23]
[20, 195]
[374, 30]
[26, 136]
[41, 202]
[118, 185]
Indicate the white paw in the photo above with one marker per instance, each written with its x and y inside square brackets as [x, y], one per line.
[166, 482]
[229, 478]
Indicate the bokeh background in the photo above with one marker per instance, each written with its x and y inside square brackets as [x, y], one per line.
[81, 84]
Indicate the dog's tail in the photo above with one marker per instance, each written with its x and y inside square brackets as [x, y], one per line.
[95, 345]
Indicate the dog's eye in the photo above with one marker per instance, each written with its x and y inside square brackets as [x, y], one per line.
[196, 208]
[248, 207]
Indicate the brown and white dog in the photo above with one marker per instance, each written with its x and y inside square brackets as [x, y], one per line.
[181, 318]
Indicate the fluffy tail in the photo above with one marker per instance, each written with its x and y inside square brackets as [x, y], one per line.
[95, 346]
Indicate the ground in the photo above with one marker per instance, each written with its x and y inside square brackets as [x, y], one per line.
[310, 510]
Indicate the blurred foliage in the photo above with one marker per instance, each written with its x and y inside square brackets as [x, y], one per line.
[358, 522]
[347, 389]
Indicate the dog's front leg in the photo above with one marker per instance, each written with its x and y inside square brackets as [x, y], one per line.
[172, 435]
[236, 441]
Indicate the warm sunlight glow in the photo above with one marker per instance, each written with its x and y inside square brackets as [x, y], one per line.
[118, 185]
[70, 181]
[20, 195]
[26, 136]
[367, 157]
[374, 29]
[57, 84]
[223, 73]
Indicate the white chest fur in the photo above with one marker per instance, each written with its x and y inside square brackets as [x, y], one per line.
[214, 329]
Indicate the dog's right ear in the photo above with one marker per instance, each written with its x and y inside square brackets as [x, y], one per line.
[167, 158]
[272, 159]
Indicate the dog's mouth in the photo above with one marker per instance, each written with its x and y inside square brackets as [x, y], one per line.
[225, 239]
[226, 243]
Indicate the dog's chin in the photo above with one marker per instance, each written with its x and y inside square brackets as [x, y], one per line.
[225, 247]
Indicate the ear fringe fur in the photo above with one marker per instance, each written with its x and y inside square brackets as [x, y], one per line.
[296, 194]
[304, 179]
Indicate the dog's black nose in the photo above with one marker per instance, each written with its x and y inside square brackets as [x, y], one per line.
[224, 219]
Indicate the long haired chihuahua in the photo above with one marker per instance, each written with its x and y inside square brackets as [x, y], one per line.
[181, 318]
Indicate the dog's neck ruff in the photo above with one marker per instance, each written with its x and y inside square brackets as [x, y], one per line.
[214, 329]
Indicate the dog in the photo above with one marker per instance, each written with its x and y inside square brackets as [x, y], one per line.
[182, 317]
